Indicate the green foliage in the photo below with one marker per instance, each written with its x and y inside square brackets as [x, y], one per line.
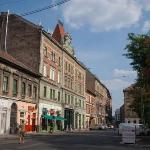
[138, 50]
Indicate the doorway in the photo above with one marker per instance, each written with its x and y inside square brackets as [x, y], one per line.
[13, 119]
[3, 121]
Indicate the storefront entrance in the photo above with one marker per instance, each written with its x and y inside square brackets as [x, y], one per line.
[3, 121]
[13, 119]
[69, 116]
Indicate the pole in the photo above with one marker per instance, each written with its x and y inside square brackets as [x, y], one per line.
[6, 32]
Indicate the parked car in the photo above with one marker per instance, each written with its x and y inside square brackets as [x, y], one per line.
[95, 127]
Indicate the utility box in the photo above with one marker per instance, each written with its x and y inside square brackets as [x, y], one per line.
[128, 134]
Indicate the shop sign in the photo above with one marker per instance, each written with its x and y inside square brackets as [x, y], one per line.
[30, 108]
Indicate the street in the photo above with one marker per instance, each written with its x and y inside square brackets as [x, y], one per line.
[89, 140]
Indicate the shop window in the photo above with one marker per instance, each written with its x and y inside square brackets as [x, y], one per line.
[5, 84]
[22, 114]
[15, 87]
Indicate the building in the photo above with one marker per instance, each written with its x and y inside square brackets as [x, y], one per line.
[73, 81]
[130, 116]
[122, 117]
[18, 95]
[117, 117]
[90, 100]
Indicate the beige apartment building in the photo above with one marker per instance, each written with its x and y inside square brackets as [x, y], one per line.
[130, 116]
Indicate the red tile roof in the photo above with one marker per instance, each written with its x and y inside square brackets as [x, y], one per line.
[59, 32]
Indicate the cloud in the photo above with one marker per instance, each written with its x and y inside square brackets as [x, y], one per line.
[124, 73]
[116, 84]
[145, 4]
[102, 15]
[146, 26]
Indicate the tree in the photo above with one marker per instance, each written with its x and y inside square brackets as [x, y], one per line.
[138, 50]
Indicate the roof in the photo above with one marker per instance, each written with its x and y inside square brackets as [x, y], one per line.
[8, 59]
[59, 32]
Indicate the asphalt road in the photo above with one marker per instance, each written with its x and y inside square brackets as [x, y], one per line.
[91, 140]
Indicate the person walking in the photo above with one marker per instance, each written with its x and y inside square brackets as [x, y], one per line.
[21, 132]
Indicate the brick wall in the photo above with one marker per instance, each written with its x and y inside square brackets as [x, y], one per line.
[23, 40]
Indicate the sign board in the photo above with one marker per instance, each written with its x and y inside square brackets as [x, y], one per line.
[128, 134]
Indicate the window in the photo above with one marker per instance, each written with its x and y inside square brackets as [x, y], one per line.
[5, 84]
[79, 103]
[45, 91]
[45, 70]
[29, 90]
[52, 73]
[58, 96]
[52, 56]
[72, 100]
[66, 66]
[68, 99]
[59, 61]
[59, 75]
[45, 51]
[23, 88]
[51, 93]
[35, 92]
[15, 86]
[65, 98]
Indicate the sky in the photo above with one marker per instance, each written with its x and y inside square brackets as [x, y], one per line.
[99, 31]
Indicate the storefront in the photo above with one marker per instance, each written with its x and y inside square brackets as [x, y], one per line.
[5, 109]
[50, 116]
[27, 112]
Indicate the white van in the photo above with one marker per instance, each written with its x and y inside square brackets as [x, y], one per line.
[139, 128]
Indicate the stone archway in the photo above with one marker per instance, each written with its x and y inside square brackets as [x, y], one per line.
[13, 119]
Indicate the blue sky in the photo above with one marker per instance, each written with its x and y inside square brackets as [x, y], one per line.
[99, 30]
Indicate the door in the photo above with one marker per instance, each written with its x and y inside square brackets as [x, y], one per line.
[3, 122]
[13, 118]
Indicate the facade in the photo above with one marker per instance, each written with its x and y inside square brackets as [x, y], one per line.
[73, 82]
[18, 95]
[122, 117]
[101, 101]
[117, 117]
[90, 100]
[129, 114]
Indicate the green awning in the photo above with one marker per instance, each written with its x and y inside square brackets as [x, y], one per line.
[53, 117]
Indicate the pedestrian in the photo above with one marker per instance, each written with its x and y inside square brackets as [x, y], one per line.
[21, 132]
